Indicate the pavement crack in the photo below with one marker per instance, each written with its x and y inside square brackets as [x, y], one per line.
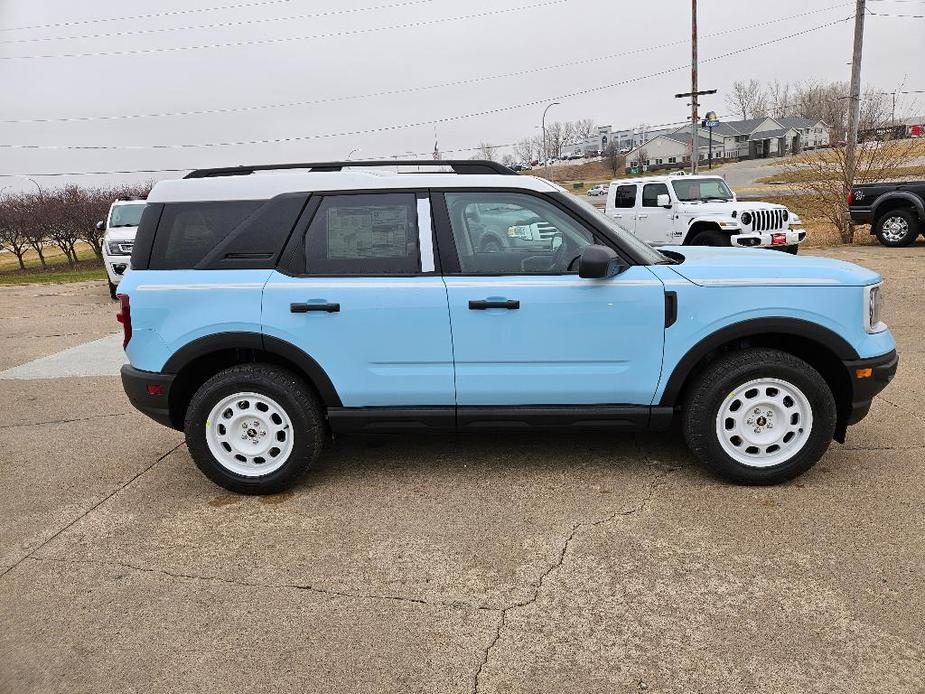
[903, 409]
[560, 560]
[65, 421]
[31, 554]
[282, 586]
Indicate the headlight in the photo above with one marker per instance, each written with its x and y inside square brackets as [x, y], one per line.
[786, 214]
[746, 218]
[120, 247]
[873, 306]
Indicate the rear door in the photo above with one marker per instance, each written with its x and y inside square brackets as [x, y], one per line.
[359, 292]
[526, 329]
[654, 223]
[624, 207]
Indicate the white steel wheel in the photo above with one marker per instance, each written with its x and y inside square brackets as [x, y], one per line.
[249, 434]
[895, 228]
[764, 422]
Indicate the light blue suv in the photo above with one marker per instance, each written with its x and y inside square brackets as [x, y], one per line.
[269, 307]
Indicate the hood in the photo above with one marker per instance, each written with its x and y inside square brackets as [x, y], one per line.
[726, 208]
[121, 234]
[725, 267]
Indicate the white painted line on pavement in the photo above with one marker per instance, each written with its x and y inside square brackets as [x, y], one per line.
[103, 357]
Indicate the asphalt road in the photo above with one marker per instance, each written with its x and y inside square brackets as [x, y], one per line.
[568, 563]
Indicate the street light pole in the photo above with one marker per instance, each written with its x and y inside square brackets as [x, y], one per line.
[545, 153]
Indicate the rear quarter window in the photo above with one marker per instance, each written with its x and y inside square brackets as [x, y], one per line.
[188, 231]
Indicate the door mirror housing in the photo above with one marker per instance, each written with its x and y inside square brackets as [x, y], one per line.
[101, 226]
[599, 262]
[663, 200]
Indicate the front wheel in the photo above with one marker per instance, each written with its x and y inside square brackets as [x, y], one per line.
[792, 249]
[710, 238]
[759, 416]
[112, 290]
[254, 428]
[896, 228]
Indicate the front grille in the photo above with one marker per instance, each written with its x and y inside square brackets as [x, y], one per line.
[768, 220]
[546, 230]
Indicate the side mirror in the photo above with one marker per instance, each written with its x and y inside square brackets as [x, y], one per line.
[599, 262]
[663, 200]
[101, 226]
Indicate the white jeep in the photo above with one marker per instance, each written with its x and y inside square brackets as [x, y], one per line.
[695, 210]
[120, 226]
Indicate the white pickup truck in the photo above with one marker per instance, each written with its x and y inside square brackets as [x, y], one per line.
[679, 209]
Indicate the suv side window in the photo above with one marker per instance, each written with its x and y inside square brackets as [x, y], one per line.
[365, 234]
[509, 233]
[650, 193]
[189, 230]
[625, 197]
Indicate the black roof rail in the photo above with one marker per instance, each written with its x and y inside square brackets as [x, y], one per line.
[458, 166]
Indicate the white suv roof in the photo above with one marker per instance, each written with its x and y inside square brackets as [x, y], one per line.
[260, 183]
[663, 178]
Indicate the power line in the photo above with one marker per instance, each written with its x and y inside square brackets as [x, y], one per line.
[891, 14]
[435, 121]
[151, 15]
[288, 39]
[408, 90]
[221, 25]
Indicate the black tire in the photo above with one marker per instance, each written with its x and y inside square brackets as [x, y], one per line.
[792, 250]
[888, 228]
[491, 245]
[721, 379]
[286, 389]
[112, 290]
[710, 238]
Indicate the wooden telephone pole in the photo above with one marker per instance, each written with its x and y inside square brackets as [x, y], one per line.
[694, 93]
[854, 99]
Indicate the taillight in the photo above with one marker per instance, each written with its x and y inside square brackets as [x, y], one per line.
[124, 316]
[850, 197]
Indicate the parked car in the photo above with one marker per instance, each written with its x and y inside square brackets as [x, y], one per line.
[263, 313]
[600, 189]
[895, 211]
[120, 225]
[699, 211]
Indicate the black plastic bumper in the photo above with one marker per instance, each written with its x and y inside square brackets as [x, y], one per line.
[149, 392]
[864, 387]
[861, 216]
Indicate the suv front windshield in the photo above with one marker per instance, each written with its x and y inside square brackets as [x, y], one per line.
[125, 215]
[644, 250]
[701, 190]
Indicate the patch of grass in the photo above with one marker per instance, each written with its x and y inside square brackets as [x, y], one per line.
[81, 274]
[802, 176]
[53, 256]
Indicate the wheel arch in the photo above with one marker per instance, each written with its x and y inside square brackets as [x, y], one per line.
[897, 200]
[821, 348]
[197, 361]
[699, 225]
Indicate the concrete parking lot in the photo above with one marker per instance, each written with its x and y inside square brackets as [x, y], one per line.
[568, 563]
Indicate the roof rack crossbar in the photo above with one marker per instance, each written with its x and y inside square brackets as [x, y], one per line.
[458, 166]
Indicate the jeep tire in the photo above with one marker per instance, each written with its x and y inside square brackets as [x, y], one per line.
[759, 416]
[896, 228]
[710, 238]
[254, 428]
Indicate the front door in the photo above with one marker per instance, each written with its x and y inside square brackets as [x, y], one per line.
[364, 300]
[654, 223]
[526, 329]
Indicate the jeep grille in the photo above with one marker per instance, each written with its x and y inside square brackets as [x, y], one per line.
[767, 220]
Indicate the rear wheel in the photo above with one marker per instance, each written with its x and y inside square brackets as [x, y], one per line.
[710, 238]
[759, 416]
[112, 290]
[896, 228]
[254, 428]
[792, 250]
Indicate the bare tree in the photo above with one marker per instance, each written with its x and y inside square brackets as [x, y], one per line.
[12, 238]
[555, 133]
[778, 94]
[508, 159]
[747, 99]
[583, 129]
[526, 149]
[486, 151]
[614, 159]
[642, 157]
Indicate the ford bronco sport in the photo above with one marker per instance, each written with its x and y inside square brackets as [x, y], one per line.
[269, 307]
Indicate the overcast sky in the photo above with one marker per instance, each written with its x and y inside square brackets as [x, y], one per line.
[361, 47]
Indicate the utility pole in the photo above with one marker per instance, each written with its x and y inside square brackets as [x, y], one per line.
[694, 93]
[543, 125]
[854, 100]
[695, 150]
